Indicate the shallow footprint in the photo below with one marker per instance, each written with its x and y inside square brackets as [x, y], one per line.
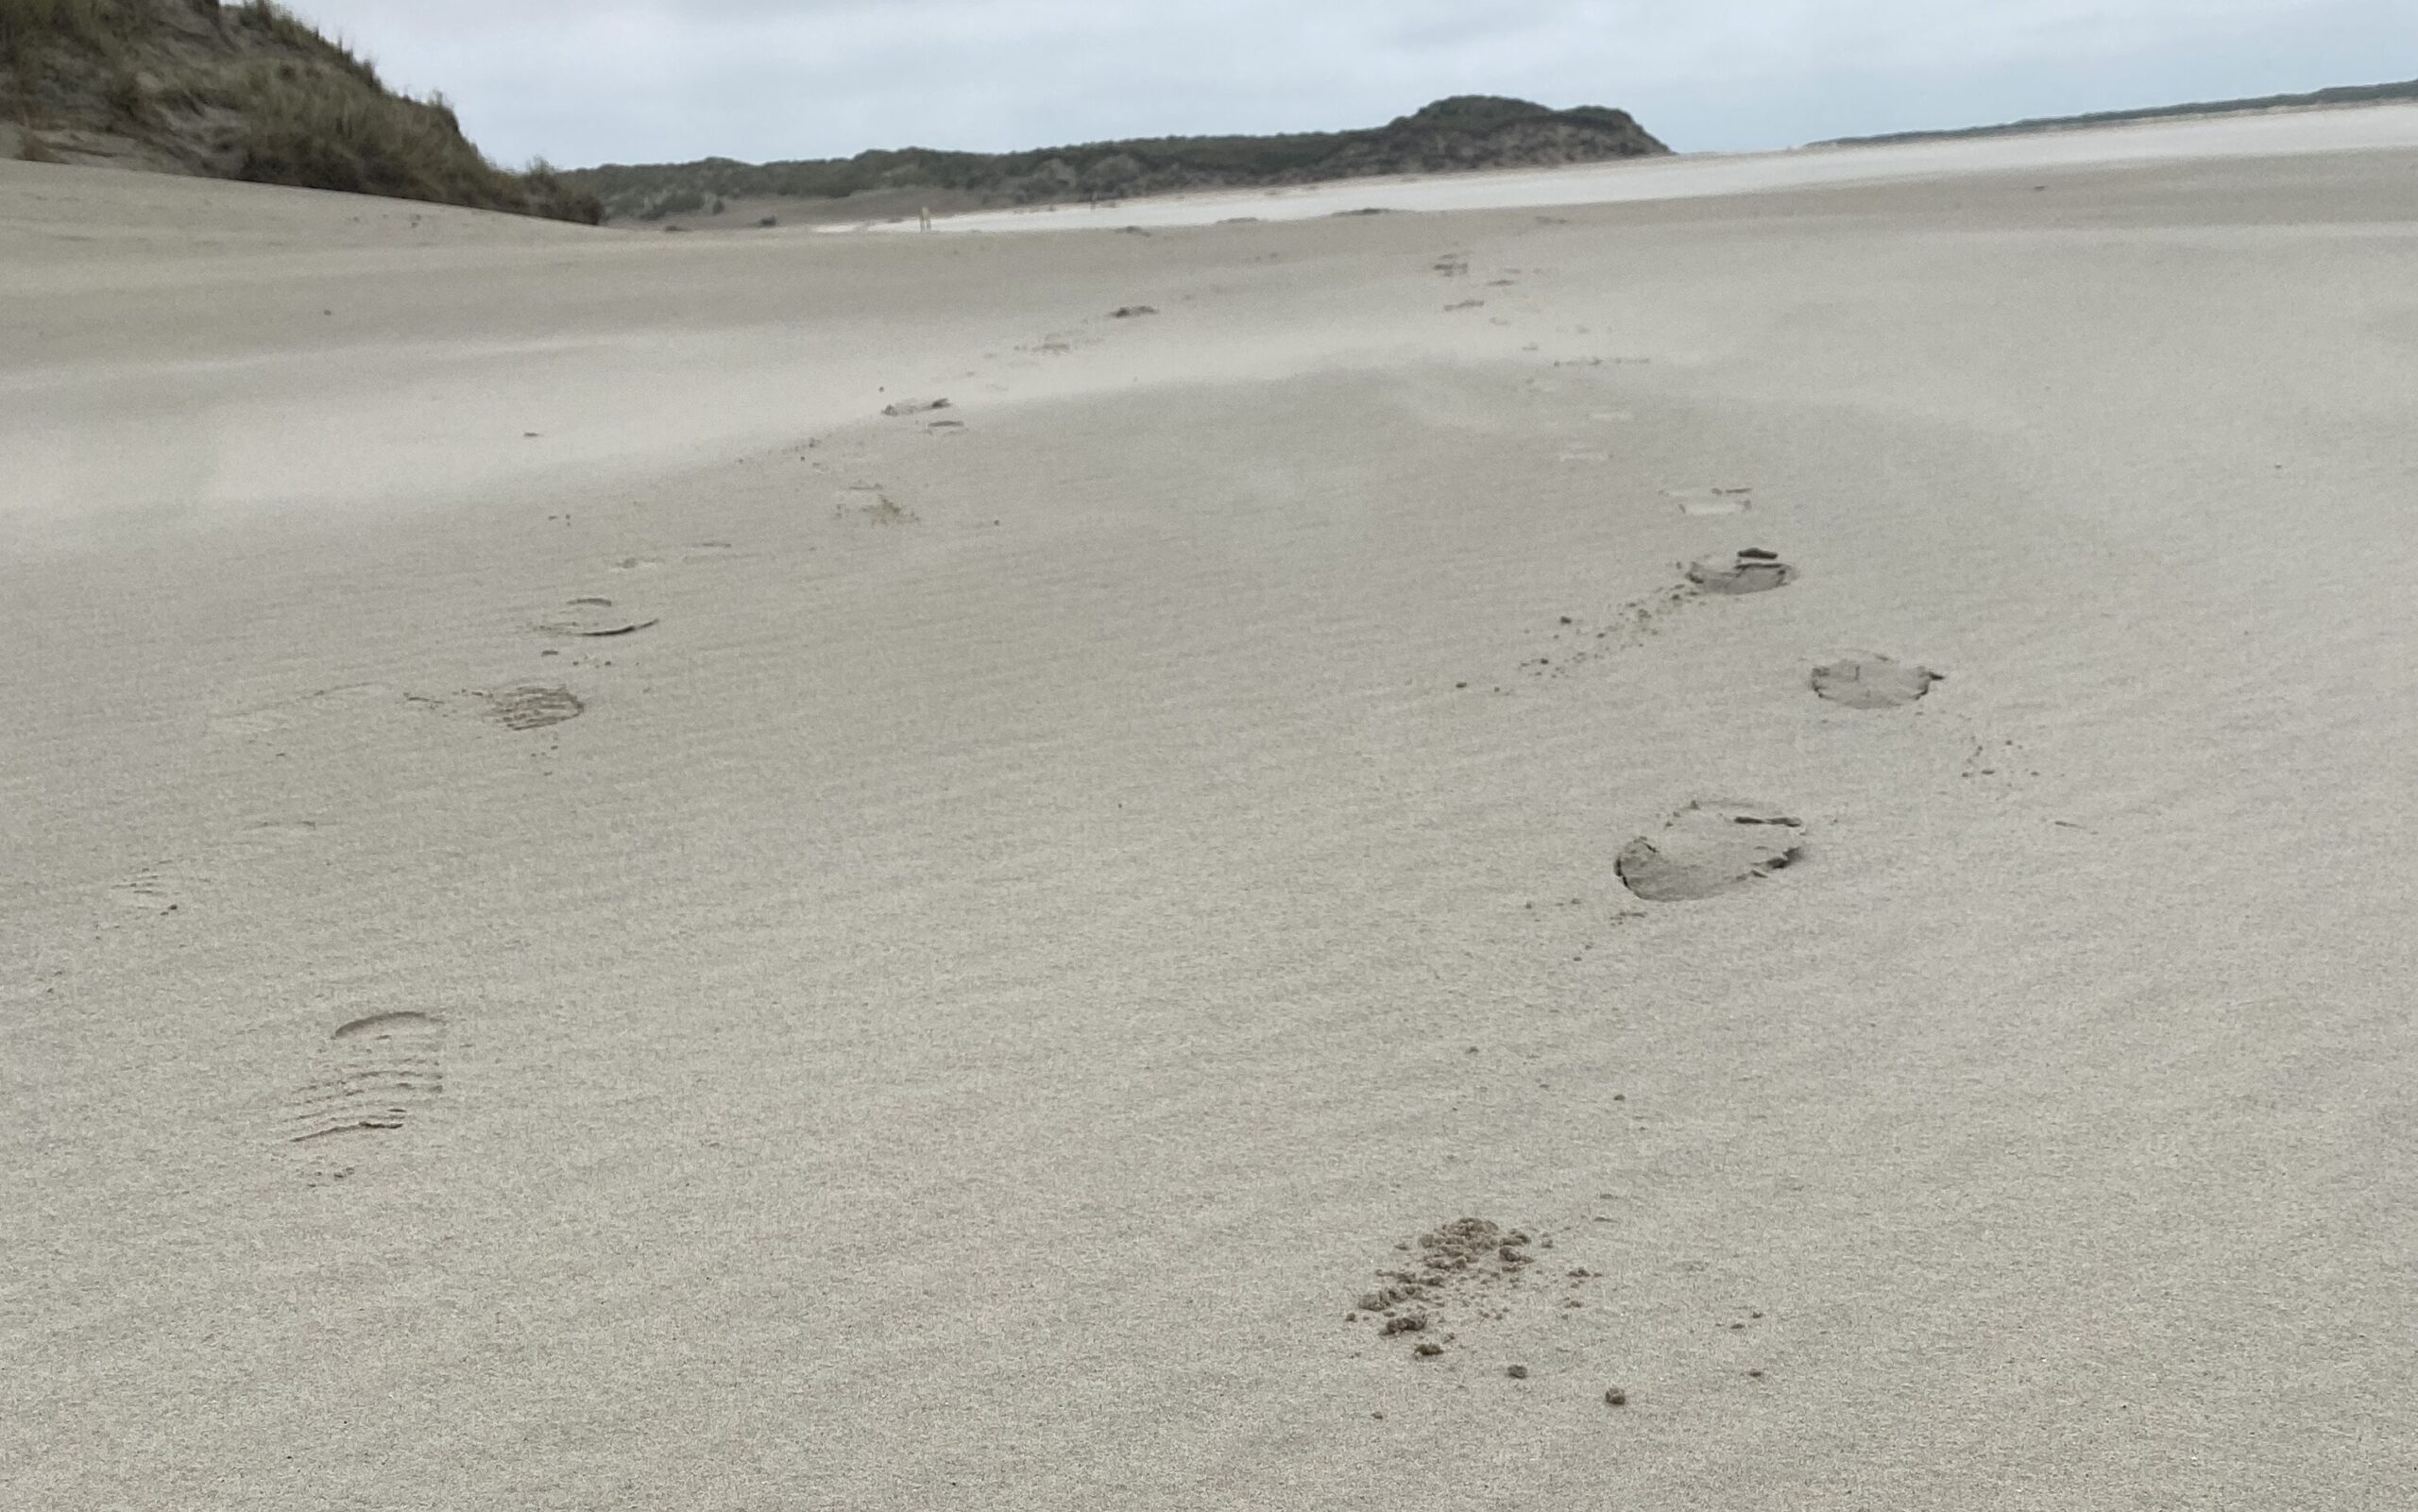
[1709, 847]
[594, 617]
[532, 706]
[1751, 571]
[377, 1074]
[157, 888]
[1710, 502]
[1864, 679]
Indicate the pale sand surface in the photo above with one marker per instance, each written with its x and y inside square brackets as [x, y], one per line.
[997, 965]
[2266, 133]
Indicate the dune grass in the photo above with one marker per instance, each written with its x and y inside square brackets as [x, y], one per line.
[25, 22]
[319, 128]
[103, 28]
[275, 20]
[254, 91]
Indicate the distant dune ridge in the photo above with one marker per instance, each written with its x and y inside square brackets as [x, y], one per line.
[2340, 94]
[1464, 132]
[239, 91]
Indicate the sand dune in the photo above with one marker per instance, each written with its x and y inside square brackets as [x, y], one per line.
[739, 951]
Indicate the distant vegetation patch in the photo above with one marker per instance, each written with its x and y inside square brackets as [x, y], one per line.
[1469, 131]
[2340, 94]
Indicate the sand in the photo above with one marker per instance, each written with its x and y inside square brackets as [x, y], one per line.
[588, 921]
[2284, 131]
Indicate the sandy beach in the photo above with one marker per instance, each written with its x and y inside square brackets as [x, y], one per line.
[1734, 851]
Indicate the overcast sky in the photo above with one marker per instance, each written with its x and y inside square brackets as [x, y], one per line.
[584, 82]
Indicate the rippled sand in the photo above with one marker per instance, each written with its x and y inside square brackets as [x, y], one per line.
[588, 920]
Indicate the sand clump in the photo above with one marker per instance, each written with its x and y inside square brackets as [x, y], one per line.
[1456, 1274]
[1709, 847]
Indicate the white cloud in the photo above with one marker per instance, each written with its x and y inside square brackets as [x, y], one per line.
[642, 80]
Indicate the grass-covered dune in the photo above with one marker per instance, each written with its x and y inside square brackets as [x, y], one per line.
[240, 91]
[1467, 132]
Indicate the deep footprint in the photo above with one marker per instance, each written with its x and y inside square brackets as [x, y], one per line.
[1709, 847]
[1751, 570]
[1867, 680]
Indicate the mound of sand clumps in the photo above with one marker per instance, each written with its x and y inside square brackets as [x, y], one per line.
[1452, 1271]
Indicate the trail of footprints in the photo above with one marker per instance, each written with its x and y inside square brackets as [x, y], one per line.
[1465, 1275]
[526, 705]
[380, 1074]
[1712, 845]
[516, 705]
[167, 884]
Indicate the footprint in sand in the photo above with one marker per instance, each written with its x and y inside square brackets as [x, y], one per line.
[1751, 570]
[376, 1074]
[168, 885]
[277, 834]
[1865, 679]
[1710, 502]
[1709, 847]
[156, 888]
[595, 617]
[696, 552]
[531, 706]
